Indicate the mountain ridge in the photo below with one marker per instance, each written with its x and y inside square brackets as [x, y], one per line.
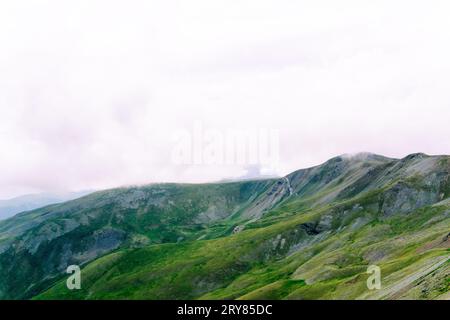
[342, 195]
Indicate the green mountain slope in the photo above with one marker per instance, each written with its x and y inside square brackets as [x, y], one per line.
[281, 261]
[311, 234]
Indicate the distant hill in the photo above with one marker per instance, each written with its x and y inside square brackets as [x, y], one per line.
[309, 235]
[10, 207]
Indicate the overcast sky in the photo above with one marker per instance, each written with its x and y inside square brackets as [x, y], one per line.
[92, 92]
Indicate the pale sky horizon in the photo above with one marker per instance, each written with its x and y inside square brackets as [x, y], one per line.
[92, 92]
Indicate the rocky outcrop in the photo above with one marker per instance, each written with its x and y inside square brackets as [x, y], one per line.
[402, 198]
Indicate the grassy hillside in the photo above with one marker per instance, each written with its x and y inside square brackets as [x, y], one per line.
[286, 260]
[41, 243]
[311, 234]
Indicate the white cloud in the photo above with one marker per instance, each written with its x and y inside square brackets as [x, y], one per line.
[92, 91]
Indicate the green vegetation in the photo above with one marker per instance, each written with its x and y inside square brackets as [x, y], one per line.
[244, 240]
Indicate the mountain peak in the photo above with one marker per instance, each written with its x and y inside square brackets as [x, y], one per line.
[362, 156]
[417, 155]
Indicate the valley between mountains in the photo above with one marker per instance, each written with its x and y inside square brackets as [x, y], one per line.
[309, 235]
